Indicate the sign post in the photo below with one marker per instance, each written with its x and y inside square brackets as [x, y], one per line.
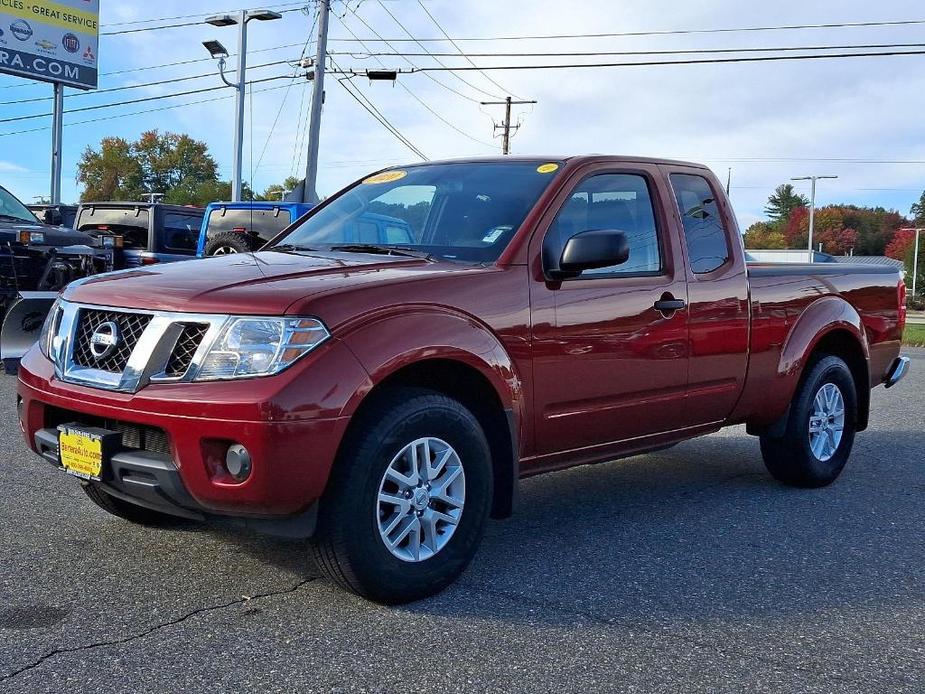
[51, 41]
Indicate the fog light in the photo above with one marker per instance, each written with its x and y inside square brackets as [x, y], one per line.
[238, 462]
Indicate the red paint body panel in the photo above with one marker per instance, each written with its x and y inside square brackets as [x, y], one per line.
[588, 368]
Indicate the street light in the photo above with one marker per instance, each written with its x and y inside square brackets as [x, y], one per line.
[812, 208]
[217, 50]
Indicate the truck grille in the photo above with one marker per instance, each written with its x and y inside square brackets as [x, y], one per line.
[131, 326]
[182, 355]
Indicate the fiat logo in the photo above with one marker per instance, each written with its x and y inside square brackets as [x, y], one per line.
[104, 340]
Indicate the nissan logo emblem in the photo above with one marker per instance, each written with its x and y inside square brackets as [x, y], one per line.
[104, 340]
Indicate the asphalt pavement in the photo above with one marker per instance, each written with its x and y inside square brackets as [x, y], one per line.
[689, 570]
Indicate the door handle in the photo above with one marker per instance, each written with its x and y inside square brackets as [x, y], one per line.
[668, 304]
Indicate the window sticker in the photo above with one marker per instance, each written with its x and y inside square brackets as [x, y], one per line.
[386, 177]
[547, 168]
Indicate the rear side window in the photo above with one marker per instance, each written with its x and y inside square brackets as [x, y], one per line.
[264, 223]
[130, 222]
[181, 232]
[707, 242]
[612, 201]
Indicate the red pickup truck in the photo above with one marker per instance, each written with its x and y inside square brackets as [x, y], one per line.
[384, 398]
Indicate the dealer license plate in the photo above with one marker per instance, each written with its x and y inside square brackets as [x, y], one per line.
[81, 453]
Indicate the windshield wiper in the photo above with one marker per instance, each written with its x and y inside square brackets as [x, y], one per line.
[18, 219]
[380, 249]
[291, 248]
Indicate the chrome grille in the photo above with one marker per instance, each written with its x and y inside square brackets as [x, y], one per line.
[131, 326]
[185, 348]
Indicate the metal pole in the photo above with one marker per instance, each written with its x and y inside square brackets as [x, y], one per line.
[915, 261]
[236, 165]
[57, 133]
[812, 219]
[310, 193]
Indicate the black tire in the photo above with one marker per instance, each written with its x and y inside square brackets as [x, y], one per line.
[231, 242]
[126, 510]
[347, 546]
[790, 459]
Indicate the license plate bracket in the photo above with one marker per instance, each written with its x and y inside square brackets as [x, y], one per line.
[83, 451]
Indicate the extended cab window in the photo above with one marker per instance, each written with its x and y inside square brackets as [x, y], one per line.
[612, 201]
[707, 244]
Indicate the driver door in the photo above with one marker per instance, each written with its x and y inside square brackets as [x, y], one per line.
[609, 366]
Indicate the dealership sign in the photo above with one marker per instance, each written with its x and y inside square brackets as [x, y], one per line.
[50, 41]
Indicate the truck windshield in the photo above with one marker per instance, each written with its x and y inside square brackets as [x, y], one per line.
[11, 208]
[459, 211]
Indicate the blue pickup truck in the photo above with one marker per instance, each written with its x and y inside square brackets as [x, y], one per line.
[242, 227]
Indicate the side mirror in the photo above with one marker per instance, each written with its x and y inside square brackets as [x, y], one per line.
[589, 250]
[52, 217]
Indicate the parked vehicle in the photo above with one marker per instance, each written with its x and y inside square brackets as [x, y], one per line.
[152, 232]
[242, 227]
[36, 261]
[55, 215]
[384, 399]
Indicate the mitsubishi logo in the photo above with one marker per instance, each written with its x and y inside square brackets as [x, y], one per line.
[104, 340]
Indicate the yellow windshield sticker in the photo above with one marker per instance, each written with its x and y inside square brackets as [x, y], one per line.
[547, 168]
[386, 177]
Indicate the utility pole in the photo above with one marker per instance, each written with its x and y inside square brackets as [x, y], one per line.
[812, 208]
[506, 127]
[57, 136]
[310, 190]
[915, 257]
[728, 181]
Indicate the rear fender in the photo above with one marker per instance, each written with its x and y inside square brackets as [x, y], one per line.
[819, 319]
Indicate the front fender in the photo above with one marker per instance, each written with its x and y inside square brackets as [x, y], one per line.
[397, 338]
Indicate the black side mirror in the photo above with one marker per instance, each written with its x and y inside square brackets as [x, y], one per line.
[52, 217]
[589, 250]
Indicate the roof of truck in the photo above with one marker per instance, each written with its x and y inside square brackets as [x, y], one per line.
[572, 158]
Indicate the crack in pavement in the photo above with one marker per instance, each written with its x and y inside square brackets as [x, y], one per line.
[156, 627]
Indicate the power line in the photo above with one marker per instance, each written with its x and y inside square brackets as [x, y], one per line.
[109, 90]
[135, 113]
[387, 43]
[137, 101]
[419, 100]
[185, 16]
[666, 32]
[375, 113]
[710, 61]
[437, 60]
[461, 52]
[178, 25]
[577, 54]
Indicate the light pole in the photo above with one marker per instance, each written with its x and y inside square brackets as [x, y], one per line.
[915, 256]
[216, 50]
[812, 208]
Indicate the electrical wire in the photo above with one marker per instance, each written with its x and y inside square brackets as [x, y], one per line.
[178, 25]
[421, 101]
[430, 77]
[437, 60]
[462, 53]
[666, 32]
[364, 101]
[137, 101]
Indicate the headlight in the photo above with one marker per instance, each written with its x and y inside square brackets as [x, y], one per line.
[249, 347]
[49, 329]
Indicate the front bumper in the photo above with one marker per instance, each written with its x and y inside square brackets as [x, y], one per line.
[292, 447]
[897, 372]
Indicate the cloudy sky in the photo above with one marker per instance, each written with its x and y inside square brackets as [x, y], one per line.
[858, 118]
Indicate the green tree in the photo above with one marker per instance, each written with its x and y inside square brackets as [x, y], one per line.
[918, 211]
[765, 236]
[173, 164]
[278, 190]
[783, 201]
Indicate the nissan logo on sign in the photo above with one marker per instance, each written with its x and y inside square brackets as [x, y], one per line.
[104, 340]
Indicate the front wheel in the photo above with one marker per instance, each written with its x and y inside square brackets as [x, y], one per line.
[408, 500]
[820, 428]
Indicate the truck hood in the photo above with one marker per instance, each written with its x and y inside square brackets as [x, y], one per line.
[265, 283]
[54, 236]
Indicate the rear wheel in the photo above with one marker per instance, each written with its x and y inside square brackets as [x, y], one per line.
[408, 500]
[231, 242]
[126, 510]
[820, 428]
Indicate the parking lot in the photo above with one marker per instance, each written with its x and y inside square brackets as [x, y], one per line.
[686, 570]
